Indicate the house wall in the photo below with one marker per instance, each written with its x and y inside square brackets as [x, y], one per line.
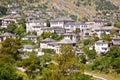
[57, 23]
[101, 47]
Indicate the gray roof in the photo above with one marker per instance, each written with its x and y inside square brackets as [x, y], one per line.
[28, 46]
[66, 41]
[51, 28]
[48, 40]
[116, 40]
[62, 19]
[75, 23]
[7, 34]
[69, 33]
[101, 41]
[106, 28]
[36, 21]
[31, 36]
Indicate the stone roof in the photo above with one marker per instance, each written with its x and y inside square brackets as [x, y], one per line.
[69, 33]
[48, 40]
[28, 46]
[66, 41]
[101, 41]
[106, 28]
[31, 36]
[116, 40]
[7, 34]
[62, 19]
[75, 23]
[39, 26]
[36, 21]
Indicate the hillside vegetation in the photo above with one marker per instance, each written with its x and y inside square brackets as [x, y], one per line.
[80, 8]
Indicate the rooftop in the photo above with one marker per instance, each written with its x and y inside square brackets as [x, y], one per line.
[101, 41]
[47, 40]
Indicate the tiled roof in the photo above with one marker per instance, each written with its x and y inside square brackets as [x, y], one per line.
[47, 40]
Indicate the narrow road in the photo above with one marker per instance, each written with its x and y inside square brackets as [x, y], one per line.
[95, 76]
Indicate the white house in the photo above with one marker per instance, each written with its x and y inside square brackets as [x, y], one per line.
[34, 38]
[30, 25]
[116, 41]
[75, 25]
[28, 48]
[102, 46]
[52, 44]
[60, 22]
[72, 36]
[100, 30]
[6, 35]
[45, 43]
[6, 22]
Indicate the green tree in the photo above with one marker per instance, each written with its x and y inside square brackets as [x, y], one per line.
[48, 23]
[31, 64]
[117, 25]
[64, 65]
[11, 27]
[20, 30]
[86, 42]
[11, 47]
[3, 10]
[8, 72]
[83, 58]
[106, 37]
[46, 35]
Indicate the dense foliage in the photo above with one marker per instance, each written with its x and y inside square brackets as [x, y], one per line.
[109, 62]
[105, 5]
[3, 10]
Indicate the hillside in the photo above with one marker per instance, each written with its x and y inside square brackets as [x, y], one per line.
[79, 8]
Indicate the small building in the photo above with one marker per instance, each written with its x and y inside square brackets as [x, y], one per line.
[28, 48]
[116, 41]
[60, 22]
[6, 21]
[102, 46]
[30, 24]
[72, 26]
[34, 38]
[72, 36]
[6, 35]
[45, 43]
[100, 30]
[52, 44]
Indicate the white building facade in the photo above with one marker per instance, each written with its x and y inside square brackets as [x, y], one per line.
[102, 46]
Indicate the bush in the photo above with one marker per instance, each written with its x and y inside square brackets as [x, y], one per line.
[47, 50]
[86, 42]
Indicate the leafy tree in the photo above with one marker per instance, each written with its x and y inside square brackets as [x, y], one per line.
[86, 42]
[11, 27]
[31, 64]
[8, 72]
[117, 25]
[11, 47]
[106, 37]
[20, 30]
[46, 35]
[83, 58]
[47, 50]
[48, 23]
[64, 65]
[3, 10]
